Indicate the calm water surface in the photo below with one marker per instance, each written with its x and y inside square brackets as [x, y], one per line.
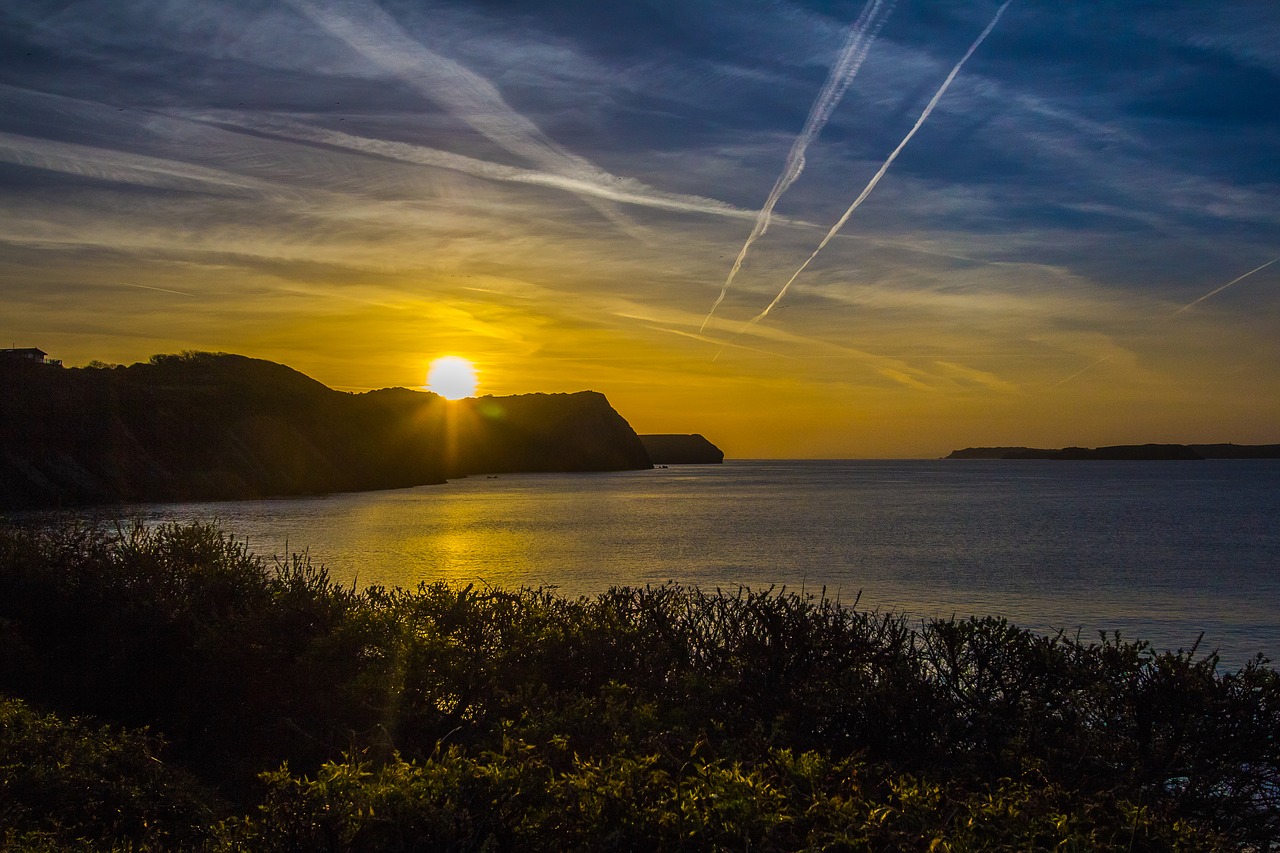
[1158, 550]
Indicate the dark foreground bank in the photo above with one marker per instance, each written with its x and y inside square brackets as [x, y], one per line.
[166, 689]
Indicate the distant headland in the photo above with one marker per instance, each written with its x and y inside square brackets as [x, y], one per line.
[665, 449]
[214, 426]
[1149, 452]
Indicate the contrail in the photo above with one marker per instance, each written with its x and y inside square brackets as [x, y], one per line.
[1216, 291]
[857, 44]
[1084, 369]
[885, 168]
[1172, 316]
[159, 289]
[376, 36]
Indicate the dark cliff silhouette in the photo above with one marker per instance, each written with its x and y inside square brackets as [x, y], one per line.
[681, 450]
[204, 426]
[1237, 451]
[1126, 452]
[539, 432]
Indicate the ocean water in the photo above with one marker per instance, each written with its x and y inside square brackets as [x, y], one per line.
[1161, 551]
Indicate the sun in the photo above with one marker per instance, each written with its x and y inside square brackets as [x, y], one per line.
[452, 377]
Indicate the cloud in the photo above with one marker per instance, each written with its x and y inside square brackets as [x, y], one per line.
[903, 378]
[125, 168]
[466, 95]
[973, 376]
[607, 187]
[317, 171]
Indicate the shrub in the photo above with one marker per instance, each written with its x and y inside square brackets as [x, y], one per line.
[65, 785]
[663, 716]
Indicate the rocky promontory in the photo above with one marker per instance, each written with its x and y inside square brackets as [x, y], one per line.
[666, 449]
[205, 426]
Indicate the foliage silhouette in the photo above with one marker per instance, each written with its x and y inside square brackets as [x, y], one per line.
[657, 718]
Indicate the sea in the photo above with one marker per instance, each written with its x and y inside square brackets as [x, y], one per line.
[1174, 553]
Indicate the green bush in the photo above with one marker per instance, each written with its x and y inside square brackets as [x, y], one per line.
[661, 717]
[66, 785]
[513, 800]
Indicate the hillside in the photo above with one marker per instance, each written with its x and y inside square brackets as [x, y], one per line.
[204, 426]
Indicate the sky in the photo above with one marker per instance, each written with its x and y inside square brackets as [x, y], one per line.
[1044, 249]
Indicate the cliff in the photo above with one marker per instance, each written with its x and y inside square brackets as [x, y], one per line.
[991, 452]
[205, 426]
[1119, 452]
[1237, 451]
[541, 432]
[681, 450]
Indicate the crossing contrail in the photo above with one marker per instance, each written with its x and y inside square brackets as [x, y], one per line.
[1172, 316]
[871, 185]
[857, 43]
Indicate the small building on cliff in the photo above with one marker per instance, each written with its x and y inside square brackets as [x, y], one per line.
[28, 354]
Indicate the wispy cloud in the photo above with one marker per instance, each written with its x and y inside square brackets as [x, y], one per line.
[385, 177]
[125, 168]
[974, 376]
[466, 95]
[599, 185]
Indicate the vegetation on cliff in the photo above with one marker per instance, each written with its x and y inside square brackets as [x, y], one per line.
[202, 426]
[237, 704]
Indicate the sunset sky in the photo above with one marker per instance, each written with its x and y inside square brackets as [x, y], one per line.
[557, 191]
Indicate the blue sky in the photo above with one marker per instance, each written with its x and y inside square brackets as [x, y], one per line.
[557, 191]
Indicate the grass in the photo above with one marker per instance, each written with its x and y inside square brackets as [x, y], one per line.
[214, 700]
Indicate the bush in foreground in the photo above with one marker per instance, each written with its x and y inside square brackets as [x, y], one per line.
[67, 784]
[665, 718]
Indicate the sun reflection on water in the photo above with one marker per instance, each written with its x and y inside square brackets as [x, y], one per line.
[1045, 547]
